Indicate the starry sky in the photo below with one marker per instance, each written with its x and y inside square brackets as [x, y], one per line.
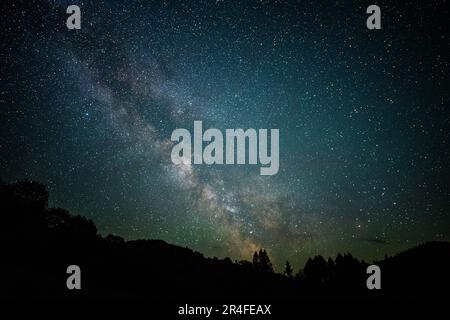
[363, 119]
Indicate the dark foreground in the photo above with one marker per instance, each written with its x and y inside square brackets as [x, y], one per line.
[39, 243]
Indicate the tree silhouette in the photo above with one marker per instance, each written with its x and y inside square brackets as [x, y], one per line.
[315, 271]
[255, 259]
[262, 261]
[288, 270]
[31, 193]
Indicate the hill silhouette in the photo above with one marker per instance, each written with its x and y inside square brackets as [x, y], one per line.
[38, 243]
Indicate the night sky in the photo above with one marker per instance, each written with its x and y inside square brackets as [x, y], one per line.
[363, 118]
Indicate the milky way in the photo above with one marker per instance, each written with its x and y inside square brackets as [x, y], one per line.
[363, 119]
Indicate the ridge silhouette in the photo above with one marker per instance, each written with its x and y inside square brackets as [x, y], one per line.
[38, 243]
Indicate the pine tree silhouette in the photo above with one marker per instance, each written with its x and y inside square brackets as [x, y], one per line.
[255, 259]
[288, 269]
[264, 262]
